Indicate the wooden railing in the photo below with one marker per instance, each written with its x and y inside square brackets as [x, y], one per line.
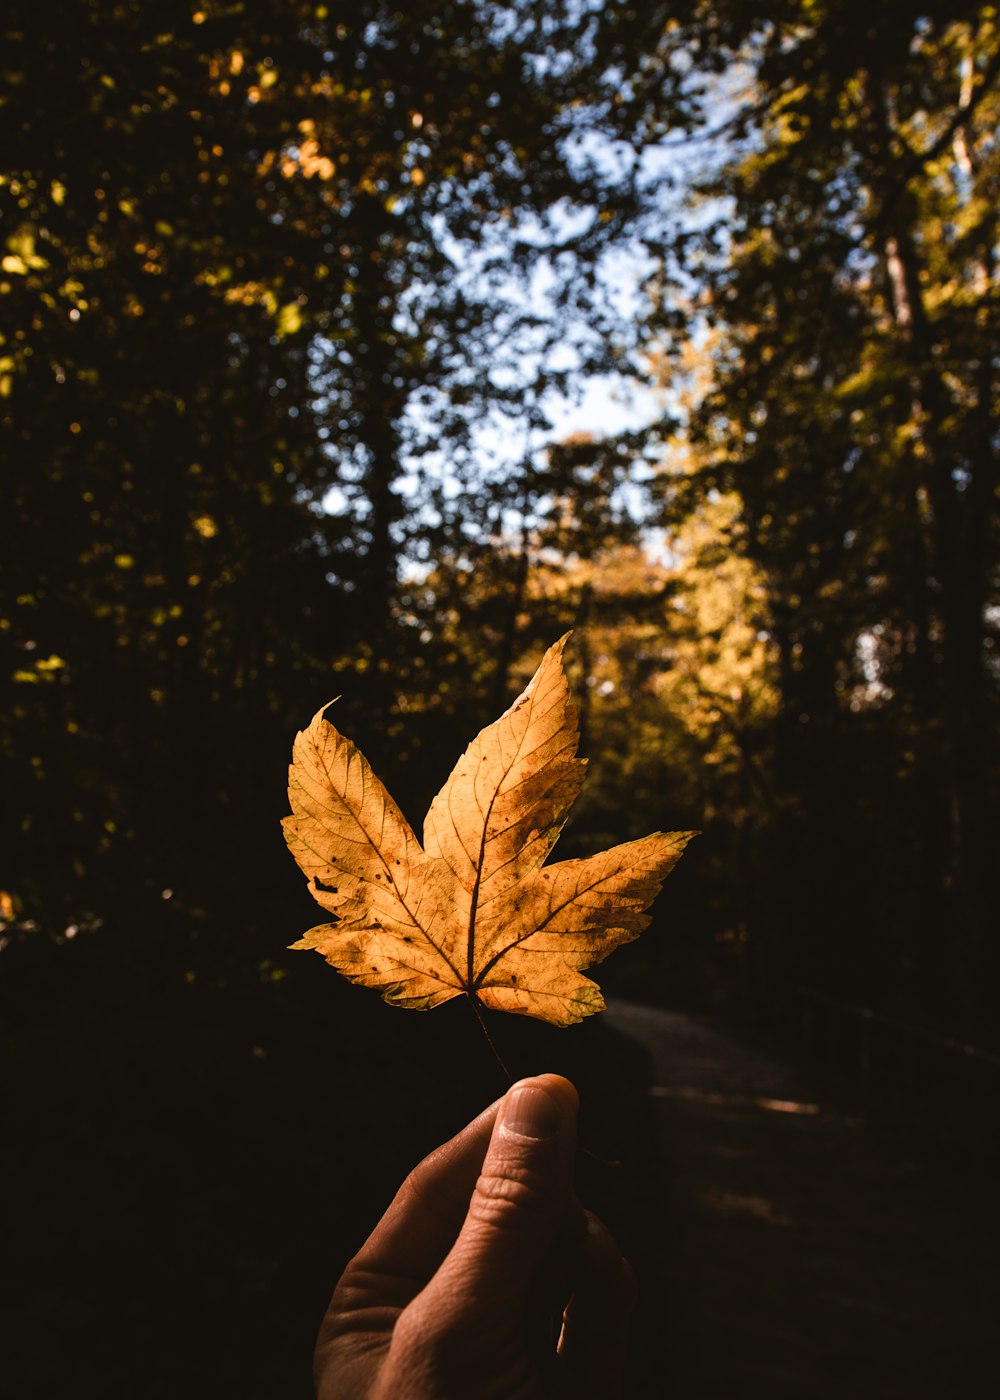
[906, 1070]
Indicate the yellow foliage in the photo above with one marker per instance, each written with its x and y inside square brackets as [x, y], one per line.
[289, 319]
[722, 655]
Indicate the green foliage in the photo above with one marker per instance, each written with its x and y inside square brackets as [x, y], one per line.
[267, 271]
[242, 245]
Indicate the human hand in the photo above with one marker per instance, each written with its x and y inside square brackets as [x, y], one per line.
[485, 1279]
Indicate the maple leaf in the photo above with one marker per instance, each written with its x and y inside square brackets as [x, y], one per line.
[474, 911]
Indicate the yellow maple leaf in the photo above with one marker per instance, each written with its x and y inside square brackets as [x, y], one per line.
[474, 911]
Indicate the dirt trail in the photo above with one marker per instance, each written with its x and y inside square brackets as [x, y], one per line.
[804, 1253]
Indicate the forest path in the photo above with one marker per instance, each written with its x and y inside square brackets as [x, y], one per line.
[805, 1253]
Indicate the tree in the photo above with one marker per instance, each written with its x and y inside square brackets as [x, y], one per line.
[853, 410]
[260, 263]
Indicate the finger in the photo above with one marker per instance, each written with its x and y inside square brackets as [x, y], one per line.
[554, 1284]
[401, 1253]
[426, 1214]
[521, 1200]
[594, 1341]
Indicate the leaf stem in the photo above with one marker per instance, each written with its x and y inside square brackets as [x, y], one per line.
[477, 1008]
[474, 1002]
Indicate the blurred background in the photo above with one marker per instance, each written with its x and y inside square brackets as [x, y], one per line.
[363, 351]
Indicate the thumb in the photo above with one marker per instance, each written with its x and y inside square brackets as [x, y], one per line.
[523, 1197]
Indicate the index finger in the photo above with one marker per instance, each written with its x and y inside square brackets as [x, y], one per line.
[426, 1213]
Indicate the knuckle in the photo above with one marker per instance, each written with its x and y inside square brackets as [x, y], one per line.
[517, 1193]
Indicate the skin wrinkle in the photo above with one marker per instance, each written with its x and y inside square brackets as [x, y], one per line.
[455, 1290]
[514, 1195]
[430, 1202]
[361, 1278]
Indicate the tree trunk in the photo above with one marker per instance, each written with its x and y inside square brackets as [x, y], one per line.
[957, 524]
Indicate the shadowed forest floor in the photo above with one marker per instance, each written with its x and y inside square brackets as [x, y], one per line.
[803, 1251]
[188, 1166]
